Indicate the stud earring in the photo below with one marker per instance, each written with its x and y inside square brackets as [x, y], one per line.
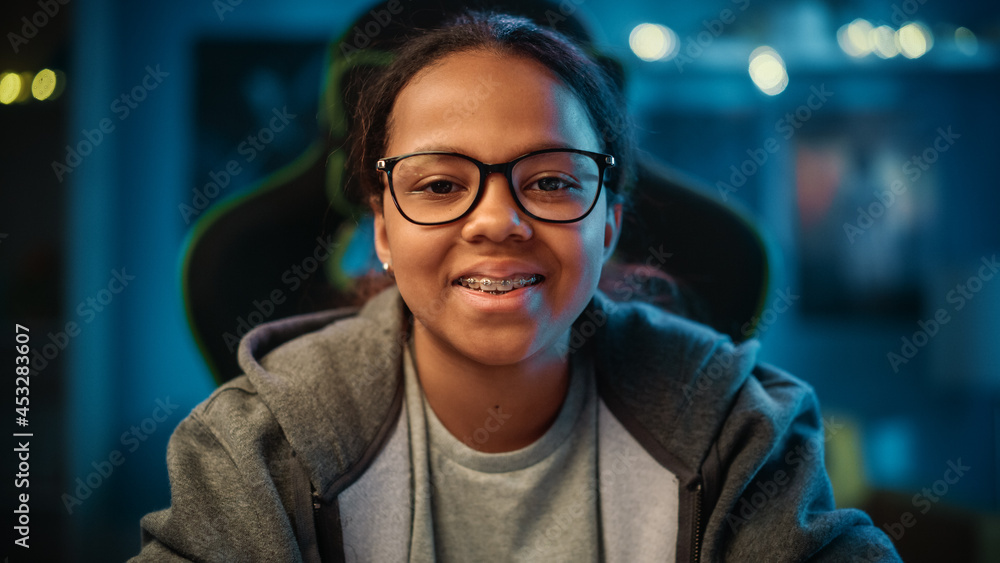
[387, 268]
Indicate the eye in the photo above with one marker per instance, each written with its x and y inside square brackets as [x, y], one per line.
[441, 187]
[552, 184]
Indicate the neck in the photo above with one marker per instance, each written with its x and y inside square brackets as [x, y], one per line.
[491, 408]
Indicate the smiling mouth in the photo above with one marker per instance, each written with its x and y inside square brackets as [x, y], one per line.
[499, 286]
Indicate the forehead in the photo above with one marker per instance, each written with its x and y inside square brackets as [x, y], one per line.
[492, 107]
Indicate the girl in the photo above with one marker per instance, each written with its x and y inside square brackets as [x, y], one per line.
[493, 403]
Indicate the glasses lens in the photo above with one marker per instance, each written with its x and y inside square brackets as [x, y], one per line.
[558, 186]
[434, 188]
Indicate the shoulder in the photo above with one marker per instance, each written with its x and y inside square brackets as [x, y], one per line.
[322, 385]
[331, 384]
[235, 421]
[236, 485]
[680, 380]
[741, 428]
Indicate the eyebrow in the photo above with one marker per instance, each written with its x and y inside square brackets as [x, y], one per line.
[525, 149]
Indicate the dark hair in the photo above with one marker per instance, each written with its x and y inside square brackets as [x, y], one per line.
[503, 34]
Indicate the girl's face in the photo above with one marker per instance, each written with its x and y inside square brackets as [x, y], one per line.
[493, 109]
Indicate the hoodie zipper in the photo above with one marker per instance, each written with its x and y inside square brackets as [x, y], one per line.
[696, 533]
[324, 544]
[317, 523]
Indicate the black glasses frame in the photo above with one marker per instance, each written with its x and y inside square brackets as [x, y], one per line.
[603, 161]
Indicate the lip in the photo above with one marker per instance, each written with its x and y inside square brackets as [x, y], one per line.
[499, 270]
[518, 300]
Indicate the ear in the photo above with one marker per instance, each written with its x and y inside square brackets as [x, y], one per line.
[381, 235]
[612, 229]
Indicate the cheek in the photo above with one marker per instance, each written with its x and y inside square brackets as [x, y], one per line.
[595, 255]
[583, 255]
[417, 254]
[594, 239]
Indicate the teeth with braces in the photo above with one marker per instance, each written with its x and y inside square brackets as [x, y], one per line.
[496, 287]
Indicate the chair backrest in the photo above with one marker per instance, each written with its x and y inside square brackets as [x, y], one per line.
[240, 258]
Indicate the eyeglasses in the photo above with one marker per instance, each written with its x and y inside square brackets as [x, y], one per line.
[551, 185]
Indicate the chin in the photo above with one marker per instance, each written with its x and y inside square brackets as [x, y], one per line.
[499, 347]
[493, 350]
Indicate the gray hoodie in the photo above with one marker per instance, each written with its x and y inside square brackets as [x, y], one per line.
[262, 469]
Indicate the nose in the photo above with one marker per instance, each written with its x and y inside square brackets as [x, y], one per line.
[497, 216]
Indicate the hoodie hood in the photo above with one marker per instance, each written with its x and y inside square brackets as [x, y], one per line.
[332, 381]
[675, 396]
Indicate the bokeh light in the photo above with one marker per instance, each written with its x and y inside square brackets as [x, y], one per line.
[767, 70]
[10, 87]
[44, 84]
[653, 42]
[966, 41]
[854, 38]
[883, 42]
[914, 40]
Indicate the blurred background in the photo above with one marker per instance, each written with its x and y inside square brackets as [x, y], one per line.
[862, 135]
